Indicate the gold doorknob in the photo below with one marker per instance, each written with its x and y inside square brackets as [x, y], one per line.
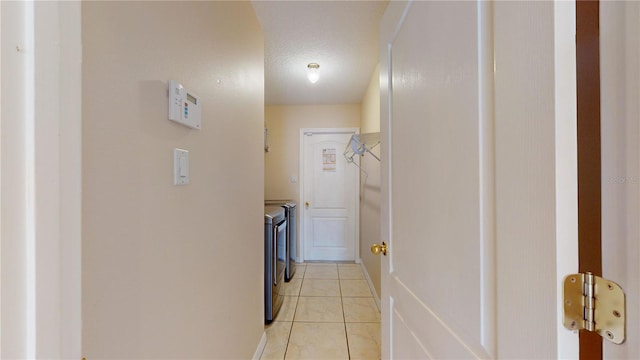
[377, 249]
[306, 204]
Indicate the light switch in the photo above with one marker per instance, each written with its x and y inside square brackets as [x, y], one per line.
[294, 179]
[183, 167]
[180, 167]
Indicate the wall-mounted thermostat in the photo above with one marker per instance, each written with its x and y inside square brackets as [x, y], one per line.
[184, 106]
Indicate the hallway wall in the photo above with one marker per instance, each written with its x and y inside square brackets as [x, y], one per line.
[370, 183]
[172, 271]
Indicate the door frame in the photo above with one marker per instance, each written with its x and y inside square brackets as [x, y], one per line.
[301, 207]
[42, 169]
[589, 154]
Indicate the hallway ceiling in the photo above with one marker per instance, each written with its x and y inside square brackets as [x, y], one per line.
[341, 36]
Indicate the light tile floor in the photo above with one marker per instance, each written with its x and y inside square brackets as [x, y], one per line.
[328, 313]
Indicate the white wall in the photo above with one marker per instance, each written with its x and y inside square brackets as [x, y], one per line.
[172, 272]
[370, 183]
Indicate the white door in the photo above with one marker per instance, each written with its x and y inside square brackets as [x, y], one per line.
[620, 111]
[472, 204]
[329, 196]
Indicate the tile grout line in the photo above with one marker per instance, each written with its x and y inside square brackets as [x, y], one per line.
[346, 335]
[294, 313]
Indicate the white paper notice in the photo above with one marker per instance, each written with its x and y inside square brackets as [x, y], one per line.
[329, 160]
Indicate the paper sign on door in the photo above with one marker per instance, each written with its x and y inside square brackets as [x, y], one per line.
[329, 160]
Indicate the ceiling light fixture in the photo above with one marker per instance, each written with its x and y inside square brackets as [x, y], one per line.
[313, 72]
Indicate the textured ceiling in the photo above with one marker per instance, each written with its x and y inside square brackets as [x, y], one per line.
[341, 36]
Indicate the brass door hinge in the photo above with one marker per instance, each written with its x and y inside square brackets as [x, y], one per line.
[595, 304]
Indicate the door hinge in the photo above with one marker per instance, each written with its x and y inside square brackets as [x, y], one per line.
[594, 304]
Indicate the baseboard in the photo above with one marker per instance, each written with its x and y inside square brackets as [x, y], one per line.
[376, 298]
[261, 345]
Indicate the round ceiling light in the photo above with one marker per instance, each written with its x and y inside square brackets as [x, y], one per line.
[313, 72]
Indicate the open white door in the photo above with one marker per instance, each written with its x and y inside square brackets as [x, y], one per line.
[474, 195]
[620, 114]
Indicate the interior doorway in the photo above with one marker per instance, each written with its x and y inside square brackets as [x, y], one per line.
[329, 196]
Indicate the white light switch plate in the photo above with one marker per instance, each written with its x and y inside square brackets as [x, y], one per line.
[180, 167]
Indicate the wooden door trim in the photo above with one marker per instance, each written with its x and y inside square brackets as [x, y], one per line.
[589, 158]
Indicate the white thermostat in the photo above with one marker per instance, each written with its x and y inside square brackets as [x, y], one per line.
[184, 107]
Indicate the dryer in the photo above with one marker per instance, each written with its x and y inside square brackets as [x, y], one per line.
[290, 214]
[275, 239]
